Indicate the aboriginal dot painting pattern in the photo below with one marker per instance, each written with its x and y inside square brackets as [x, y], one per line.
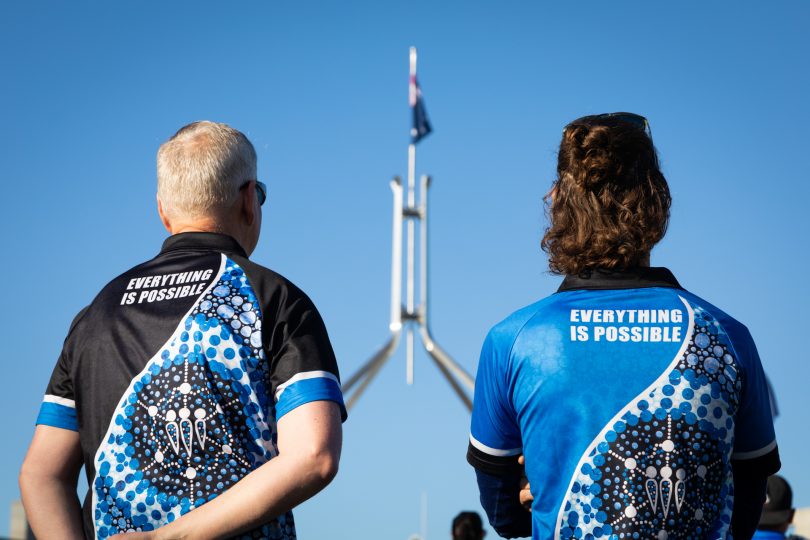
[195, 421]
[661, 470]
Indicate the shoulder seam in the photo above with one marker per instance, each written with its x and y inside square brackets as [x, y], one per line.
[520, 331]
[509, 356]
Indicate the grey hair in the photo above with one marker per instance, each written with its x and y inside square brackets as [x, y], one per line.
[201, 168]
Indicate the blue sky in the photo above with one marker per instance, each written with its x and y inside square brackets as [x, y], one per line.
[90, 90]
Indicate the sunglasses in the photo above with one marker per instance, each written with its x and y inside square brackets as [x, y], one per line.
[630, 118]
[261, 190]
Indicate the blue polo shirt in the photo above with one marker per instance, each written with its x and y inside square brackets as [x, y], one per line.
[629, 397]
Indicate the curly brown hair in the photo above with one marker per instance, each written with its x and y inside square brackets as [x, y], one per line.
[610, 203]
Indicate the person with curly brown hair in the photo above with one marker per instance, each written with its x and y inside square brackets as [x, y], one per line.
[640, 409]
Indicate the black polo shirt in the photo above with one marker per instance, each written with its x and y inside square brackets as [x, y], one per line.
[175, 377]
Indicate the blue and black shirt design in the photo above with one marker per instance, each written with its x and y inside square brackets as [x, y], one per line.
[176, 376]
[630, 399]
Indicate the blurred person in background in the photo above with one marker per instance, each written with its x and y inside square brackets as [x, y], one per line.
[467, 526]
[777, 512]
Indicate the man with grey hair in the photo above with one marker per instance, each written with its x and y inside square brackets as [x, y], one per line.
[196, 379]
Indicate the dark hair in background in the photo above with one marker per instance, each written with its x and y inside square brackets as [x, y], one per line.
[467, 526]
[610, 202]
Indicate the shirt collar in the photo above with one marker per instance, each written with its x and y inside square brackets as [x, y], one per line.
[635, 278]
[202, 241]
[768, 535]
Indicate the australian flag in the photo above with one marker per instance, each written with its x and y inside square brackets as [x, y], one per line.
[421, 124]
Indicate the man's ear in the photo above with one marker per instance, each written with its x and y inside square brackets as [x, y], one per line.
[249, 203]
[164, 218]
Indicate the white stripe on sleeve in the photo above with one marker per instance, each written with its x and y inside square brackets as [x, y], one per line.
[755, 453]
[59, 401]
[303, 376]
[494, 451]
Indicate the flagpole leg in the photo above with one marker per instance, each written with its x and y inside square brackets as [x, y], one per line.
[441, 356]
[423, 250]
[370, 370]
[396, 258]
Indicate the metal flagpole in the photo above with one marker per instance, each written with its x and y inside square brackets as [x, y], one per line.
[410, 314]
[411, 228]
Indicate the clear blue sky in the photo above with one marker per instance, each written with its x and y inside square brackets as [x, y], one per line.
[90, 90]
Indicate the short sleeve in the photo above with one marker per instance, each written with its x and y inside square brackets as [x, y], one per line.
[303, 367]
[495, 441]
[754, 438]
[58, 408]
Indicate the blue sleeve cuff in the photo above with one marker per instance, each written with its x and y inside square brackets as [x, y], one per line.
[56, 415]
[306, 390]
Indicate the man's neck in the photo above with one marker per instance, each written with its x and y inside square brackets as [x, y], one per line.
[206, 226]
[198, 226]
